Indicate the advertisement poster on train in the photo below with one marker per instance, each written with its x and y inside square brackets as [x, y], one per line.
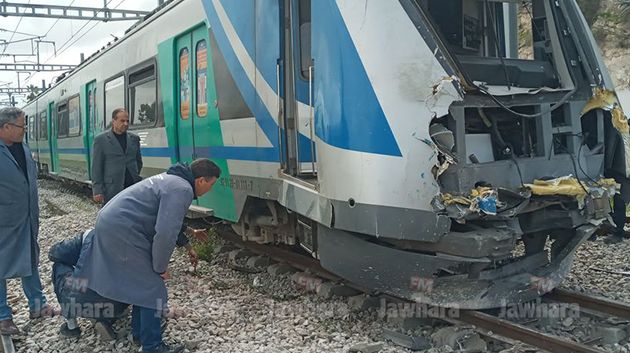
[91, 110]
[184, 83]
[202, 71]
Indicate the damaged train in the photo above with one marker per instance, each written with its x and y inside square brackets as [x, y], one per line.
[454, 152]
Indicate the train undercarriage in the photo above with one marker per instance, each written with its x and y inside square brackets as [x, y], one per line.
[484, 263]
[509, 217]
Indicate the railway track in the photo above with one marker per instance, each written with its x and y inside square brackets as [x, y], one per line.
[485, 324]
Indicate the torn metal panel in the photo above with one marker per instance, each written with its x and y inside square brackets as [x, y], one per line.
[481, 199]
[510, 91]
[570, 186]
[442, 141]
[607, 100]
[488, 202]
[443, 95]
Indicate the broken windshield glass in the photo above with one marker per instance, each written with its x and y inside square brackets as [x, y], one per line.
[501, 43]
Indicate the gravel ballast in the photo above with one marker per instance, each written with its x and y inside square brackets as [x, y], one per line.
[229, 311]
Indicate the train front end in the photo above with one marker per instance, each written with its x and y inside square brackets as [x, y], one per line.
[467, 147]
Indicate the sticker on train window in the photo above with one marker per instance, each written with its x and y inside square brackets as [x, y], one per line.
[184, 84]
[202, 74]
[74, 119]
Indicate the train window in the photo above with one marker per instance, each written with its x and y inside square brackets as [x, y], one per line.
[304, 9]
[114, 97]
[43, 126]
[229, 99]
[184, 83]
[515, 40]
[62, 120]
[202, 78]
[143, 97]
[74, 117]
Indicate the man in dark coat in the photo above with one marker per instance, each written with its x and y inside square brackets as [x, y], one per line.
[134, 237]
[116, 161]
[68, 257]
[19, 219]
[72, 293]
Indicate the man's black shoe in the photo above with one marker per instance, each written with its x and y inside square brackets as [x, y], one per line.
[65, 331]
[164, 348]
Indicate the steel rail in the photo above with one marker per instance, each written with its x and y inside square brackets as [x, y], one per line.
[524, 334]
[484, 323]
[604, 305]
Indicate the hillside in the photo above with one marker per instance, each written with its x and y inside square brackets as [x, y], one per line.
[610, 21]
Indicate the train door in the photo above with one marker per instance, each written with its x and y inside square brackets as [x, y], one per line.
[297, 88]
[91, 121]
[193, 123]
[52, 138]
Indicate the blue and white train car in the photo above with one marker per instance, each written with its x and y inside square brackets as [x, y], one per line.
[390, 139]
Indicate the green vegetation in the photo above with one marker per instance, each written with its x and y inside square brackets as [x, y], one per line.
[591, 10]
[33, 92]
[205, 248]
[609, 20]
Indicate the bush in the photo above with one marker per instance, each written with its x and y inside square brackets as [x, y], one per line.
[590, 8]
[205, 248]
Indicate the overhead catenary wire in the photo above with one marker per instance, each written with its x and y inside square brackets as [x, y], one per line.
[56, 21]
[63, 47]
[14, 31]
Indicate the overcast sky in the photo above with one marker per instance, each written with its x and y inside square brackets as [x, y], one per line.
[64, 33]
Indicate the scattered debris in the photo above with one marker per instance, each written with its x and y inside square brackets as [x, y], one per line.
[366, 347]
[414, 343]
[330, 289]
[307, 281]
[281, 269]
[463, 339]
[258, 261]
[481, 199]
[363, 302]
[570, 186]
[610, 334]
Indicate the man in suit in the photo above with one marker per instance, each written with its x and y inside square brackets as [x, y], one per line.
[19, 220]
[116, 160]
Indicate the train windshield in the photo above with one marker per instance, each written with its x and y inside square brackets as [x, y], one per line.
[502, 43]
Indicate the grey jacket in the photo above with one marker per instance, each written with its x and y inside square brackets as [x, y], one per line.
[109, 163]
[19, 215]
[135, 235]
